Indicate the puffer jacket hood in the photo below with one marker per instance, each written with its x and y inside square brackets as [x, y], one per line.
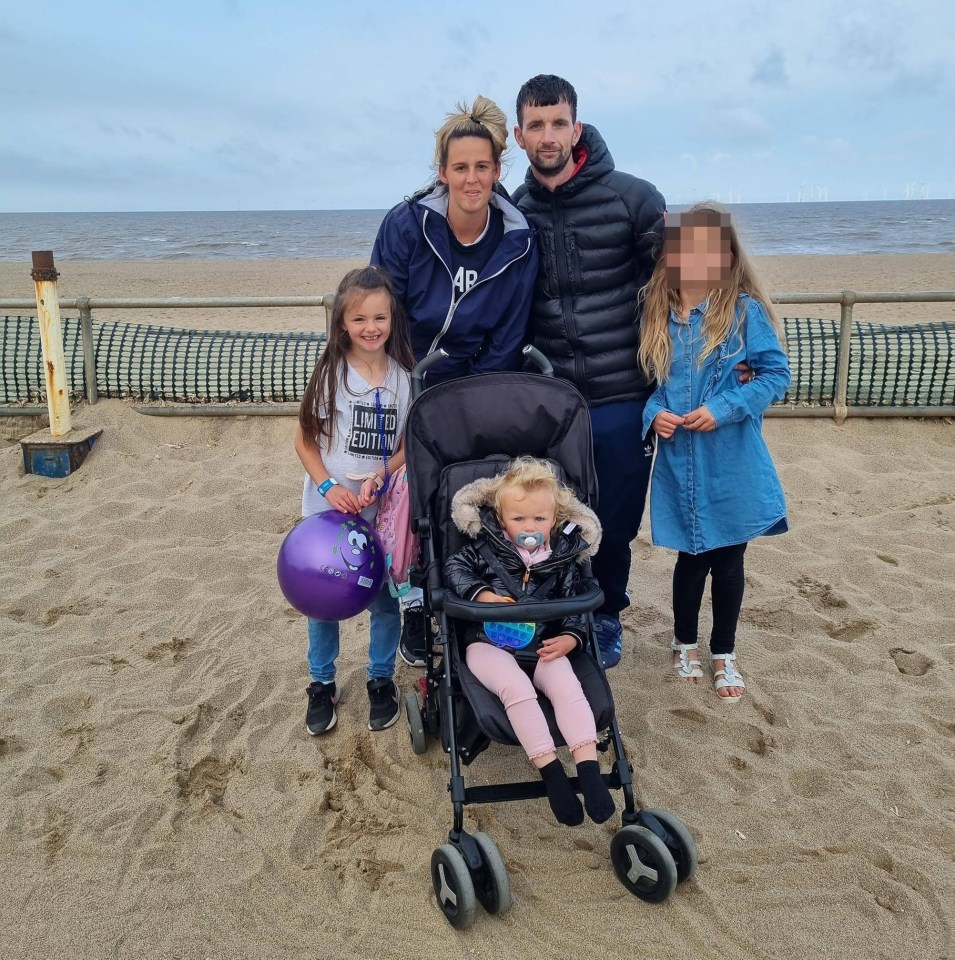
[598, 164]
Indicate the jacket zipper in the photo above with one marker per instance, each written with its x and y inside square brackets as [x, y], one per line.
[566, 300]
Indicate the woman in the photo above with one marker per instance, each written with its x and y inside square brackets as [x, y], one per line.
[463, 261]
[461, 256]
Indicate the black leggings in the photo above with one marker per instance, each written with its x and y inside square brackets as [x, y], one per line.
[689, 582]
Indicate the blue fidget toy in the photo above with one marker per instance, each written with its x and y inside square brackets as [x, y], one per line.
[510, 636]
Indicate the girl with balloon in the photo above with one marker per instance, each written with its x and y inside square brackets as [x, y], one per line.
[349, 441]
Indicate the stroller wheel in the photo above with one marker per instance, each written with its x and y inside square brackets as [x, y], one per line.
[680, 844]
[491, 884]
[643, 863]
[453, 886]
[419, 742]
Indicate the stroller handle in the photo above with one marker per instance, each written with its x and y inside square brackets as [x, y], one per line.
[588, 601]
[422, 367]
[539, 360]
[425, 364]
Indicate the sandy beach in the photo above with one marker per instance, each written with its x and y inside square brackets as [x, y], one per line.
[159, 797]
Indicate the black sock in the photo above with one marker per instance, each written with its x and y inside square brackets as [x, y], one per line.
[597, 797]
[560, 794]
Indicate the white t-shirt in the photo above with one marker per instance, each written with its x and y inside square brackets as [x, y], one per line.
[356, 444]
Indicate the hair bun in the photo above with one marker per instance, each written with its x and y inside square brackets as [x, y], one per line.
[483, 118]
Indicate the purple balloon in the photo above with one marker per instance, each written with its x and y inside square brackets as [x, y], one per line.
[331, 566]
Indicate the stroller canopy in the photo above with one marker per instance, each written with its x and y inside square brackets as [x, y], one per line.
[514, 414]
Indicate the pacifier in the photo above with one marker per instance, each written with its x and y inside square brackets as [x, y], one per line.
[530, 541]
[510, 636]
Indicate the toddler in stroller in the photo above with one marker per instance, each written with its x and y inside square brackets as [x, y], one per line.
[469, 430]
[529, 534]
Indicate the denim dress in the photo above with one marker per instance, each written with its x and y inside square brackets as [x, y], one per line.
[715, 489]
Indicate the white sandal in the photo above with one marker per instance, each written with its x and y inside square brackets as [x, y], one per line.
[728, 676]
[687, 669]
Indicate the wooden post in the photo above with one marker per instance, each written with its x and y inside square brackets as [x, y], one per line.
[62, 450]
[51, 340]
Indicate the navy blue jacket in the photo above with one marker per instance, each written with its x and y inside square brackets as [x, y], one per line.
[485, 329]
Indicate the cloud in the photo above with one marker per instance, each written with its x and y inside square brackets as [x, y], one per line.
[468, 39]
[336, 103]
[928, 80]
[244, 155]
[771, 70]
[119, 130]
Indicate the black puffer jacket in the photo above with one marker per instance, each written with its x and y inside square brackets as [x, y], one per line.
[598, 236]
[468, 573]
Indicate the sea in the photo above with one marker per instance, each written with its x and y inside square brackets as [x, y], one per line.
[838, 227]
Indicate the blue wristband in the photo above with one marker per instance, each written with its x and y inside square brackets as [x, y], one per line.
[323, 488]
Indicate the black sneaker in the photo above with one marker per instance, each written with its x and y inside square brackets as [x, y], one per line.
[320, 716]
[412, 645]
[384, 710]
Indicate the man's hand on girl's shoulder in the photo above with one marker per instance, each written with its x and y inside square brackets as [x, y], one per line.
[746, 372]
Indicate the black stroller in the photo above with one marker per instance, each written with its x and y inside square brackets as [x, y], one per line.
[457, 432]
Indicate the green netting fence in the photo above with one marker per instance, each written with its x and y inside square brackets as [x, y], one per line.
[889, 366]
[162, 363]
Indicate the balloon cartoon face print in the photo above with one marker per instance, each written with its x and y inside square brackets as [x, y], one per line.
[358, 547]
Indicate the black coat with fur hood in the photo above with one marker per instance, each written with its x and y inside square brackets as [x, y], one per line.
[467, 572]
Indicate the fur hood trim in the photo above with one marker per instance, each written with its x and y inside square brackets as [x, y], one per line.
[468, 501]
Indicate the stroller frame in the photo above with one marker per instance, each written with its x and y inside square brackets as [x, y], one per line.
[653, 850]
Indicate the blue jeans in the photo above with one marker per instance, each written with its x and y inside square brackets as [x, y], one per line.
[382, 645]
[623, 463]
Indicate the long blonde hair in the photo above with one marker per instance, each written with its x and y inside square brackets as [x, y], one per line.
[721, 316]
[527, 474]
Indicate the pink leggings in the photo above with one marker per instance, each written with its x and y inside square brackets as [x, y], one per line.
[499, 672]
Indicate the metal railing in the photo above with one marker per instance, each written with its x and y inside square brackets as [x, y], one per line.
[839, 410]
[847, 301]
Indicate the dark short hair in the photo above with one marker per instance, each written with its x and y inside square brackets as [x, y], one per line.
[546, 90]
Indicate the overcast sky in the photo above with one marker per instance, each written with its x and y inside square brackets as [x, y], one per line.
[226, 104]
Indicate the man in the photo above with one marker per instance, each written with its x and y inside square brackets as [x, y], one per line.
[599, 232]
